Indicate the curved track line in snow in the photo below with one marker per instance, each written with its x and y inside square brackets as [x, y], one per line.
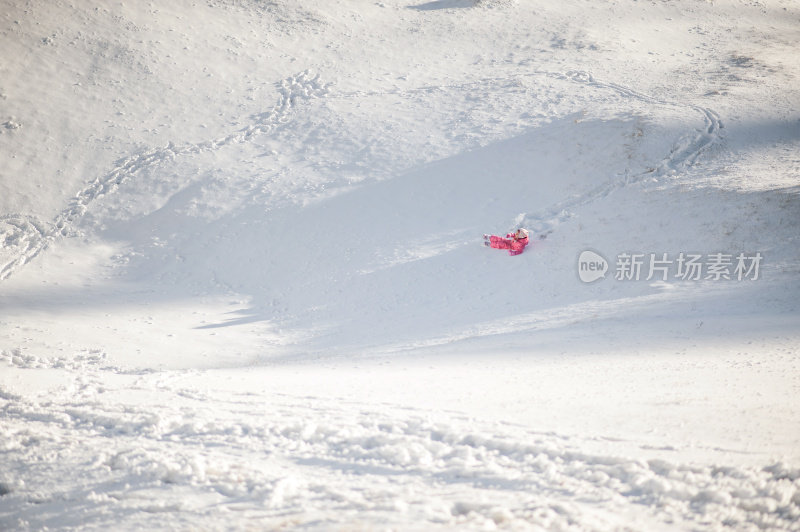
[688, 148]
[683, 154]
[26, 237]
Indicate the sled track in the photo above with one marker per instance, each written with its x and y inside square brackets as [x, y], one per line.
[684, 153]
[23, 238]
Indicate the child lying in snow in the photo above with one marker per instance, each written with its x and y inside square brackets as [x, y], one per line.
[514, 242]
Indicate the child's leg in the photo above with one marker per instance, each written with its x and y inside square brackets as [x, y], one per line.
[498, 242]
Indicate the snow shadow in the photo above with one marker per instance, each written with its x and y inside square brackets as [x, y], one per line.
[444, 4]
[404, 255]
[757, 135]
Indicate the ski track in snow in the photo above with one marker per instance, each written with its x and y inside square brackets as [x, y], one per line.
[443, 469]
[684, 153]
[27, 237]
[24, 237]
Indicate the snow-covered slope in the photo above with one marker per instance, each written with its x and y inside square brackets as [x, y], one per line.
[242, 280]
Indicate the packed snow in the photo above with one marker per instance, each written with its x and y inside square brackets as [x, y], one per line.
[243, 286]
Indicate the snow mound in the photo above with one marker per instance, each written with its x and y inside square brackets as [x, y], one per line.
[338, 464]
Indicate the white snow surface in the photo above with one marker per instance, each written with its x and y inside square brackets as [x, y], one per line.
[243, 287]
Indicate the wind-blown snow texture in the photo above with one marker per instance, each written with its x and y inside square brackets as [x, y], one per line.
[242, 284]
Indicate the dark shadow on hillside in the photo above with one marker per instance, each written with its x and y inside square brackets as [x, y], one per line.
[753, 135]
[444, 4]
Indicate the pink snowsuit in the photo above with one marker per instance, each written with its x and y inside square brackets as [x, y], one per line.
[513, 245]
